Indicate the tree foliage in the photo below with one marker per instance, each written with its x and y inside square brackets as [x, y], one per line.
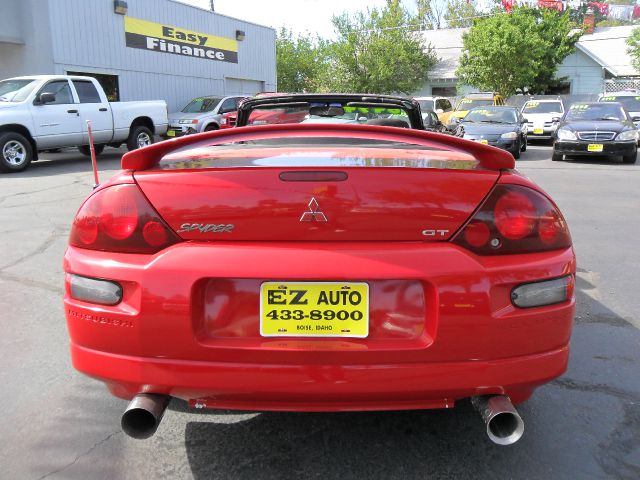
[379, 51]
[517, 52]
[299, 61]
[634, 47]
[460, 13]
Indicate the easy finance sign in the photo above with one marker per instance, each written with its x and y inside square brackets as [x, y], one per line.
[179, 41]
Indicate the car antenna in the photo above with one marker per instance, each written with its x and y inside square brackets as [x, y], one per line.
[93, 155]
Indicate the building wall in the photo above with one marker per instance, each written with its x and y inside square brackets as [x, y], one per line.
[87, 36]
[25, 38]
[584, 74]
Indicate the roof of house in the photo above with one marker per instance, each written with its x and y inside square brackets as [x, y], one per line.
[606, 46]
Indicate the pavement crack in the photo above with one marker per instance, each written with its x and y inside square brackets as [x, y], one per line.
[84, 454]
[28, 282]
[53, 236]
[571, 384]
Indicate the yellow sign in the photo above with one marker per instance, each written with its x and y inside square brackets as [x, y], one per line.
[314, 309]
[179, 41]
[595, 147]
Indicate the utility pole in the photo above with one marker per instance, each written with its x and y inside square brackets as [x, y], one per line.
[211, 6]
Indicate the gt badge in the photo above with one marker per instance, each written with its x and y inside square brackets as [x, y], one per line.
[314, 213]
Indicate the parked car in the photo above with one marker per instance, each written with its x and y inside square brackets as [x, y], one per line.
[597, 129]
[630, 100]
[47, 112]
[201, 114]
[469, 101]
[441, 105]
[540, 114]
[502, 127]
[320, 267]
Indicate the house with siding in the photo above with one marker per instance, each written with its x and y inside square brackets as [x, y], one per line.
[599, 56]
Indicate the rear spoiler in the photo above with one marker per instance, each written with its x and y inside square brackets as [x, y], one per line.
[491, 158]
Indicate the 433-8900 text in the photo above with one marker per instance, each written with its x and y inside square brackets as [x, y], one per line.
[314, 315]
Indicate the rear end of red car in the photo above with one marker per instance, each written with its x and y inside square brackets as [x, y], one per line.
[320, 268]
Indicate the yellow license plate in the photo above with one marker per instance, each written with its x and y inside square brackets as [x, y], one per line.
[314, 309]
[538, 131]
[483, 141]
[594, 147]
[171, 133]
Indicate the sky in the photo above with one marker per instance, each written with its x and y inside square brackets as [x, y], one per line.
[299, 16]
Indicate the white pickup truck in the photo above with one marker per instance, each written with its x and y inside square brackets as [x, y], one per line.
[46, 112]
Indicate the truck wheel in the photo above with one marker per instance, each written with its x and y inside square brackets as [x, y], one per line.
[631, 158]
[16, 152]
[85, 150]
[139, 137]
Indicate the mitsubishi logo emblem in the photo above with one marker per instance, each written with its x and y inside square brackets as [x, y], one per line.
[314, 213]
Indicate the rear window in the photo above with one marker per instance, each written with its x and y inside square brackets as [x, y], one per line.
[314, 151]
[334, 113]
[87, 92]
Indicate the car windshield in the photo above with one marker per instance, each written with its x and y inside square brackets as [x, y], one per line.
[320, 112]
[16, 90]
[491, 115]
[595, 111]
[629, 102]
[542, 107]
[469, 103]
[201, 105]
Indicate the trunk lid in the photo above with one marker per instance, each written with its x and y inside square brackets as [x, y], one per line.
[392, 196]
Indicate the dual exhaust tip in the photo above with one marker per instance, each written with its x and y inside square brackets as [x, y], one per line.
[504, 425]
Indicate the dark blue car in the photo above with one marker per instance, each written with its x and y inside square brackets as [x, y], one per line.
[499, 126]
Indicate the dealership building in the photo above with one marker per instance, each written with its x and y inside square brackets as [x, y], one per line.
[138, 49]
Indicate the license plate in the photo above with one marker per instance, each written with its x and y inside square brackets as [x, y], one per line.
[171, 133]
[594, 147]
[538, 131]
[483, 141]
[314, 309]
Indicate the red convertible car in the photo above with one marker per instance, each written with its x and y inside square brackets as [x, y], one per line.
[320, 267]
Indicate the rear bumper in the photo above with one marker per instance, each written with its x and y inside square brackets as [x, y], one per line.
[313, 387]
[442, 326]
[608, 148]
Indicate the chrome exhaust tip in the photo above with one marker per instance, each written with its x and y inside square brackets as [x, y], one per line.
[504, 425]
[141, 418]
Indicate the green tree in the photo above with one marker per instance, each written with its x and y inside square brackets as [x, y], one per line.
[299, 61]
[460, 13]
[634, 47]
[378, 51]
[515, 52]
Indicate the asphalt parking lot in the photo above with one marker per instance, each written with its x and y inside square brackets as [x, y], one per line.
[58, 424]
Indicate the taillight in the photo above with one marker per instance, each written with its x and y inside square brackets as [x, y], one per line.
[120, 219]
[514, 219]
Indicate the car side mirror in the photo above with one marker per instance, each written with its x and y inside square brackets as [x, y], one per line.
[555, 119]
[524, 120]
[45, 97]
[635, 119]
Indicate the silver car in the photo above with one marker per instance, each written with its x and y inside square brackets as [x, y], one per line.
[201, 114]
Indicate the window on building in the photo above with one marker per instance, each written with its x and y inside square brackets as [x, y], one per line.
[563, 88]
[109, 84]
[87, 92]
[62, 91]
[443, 91]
